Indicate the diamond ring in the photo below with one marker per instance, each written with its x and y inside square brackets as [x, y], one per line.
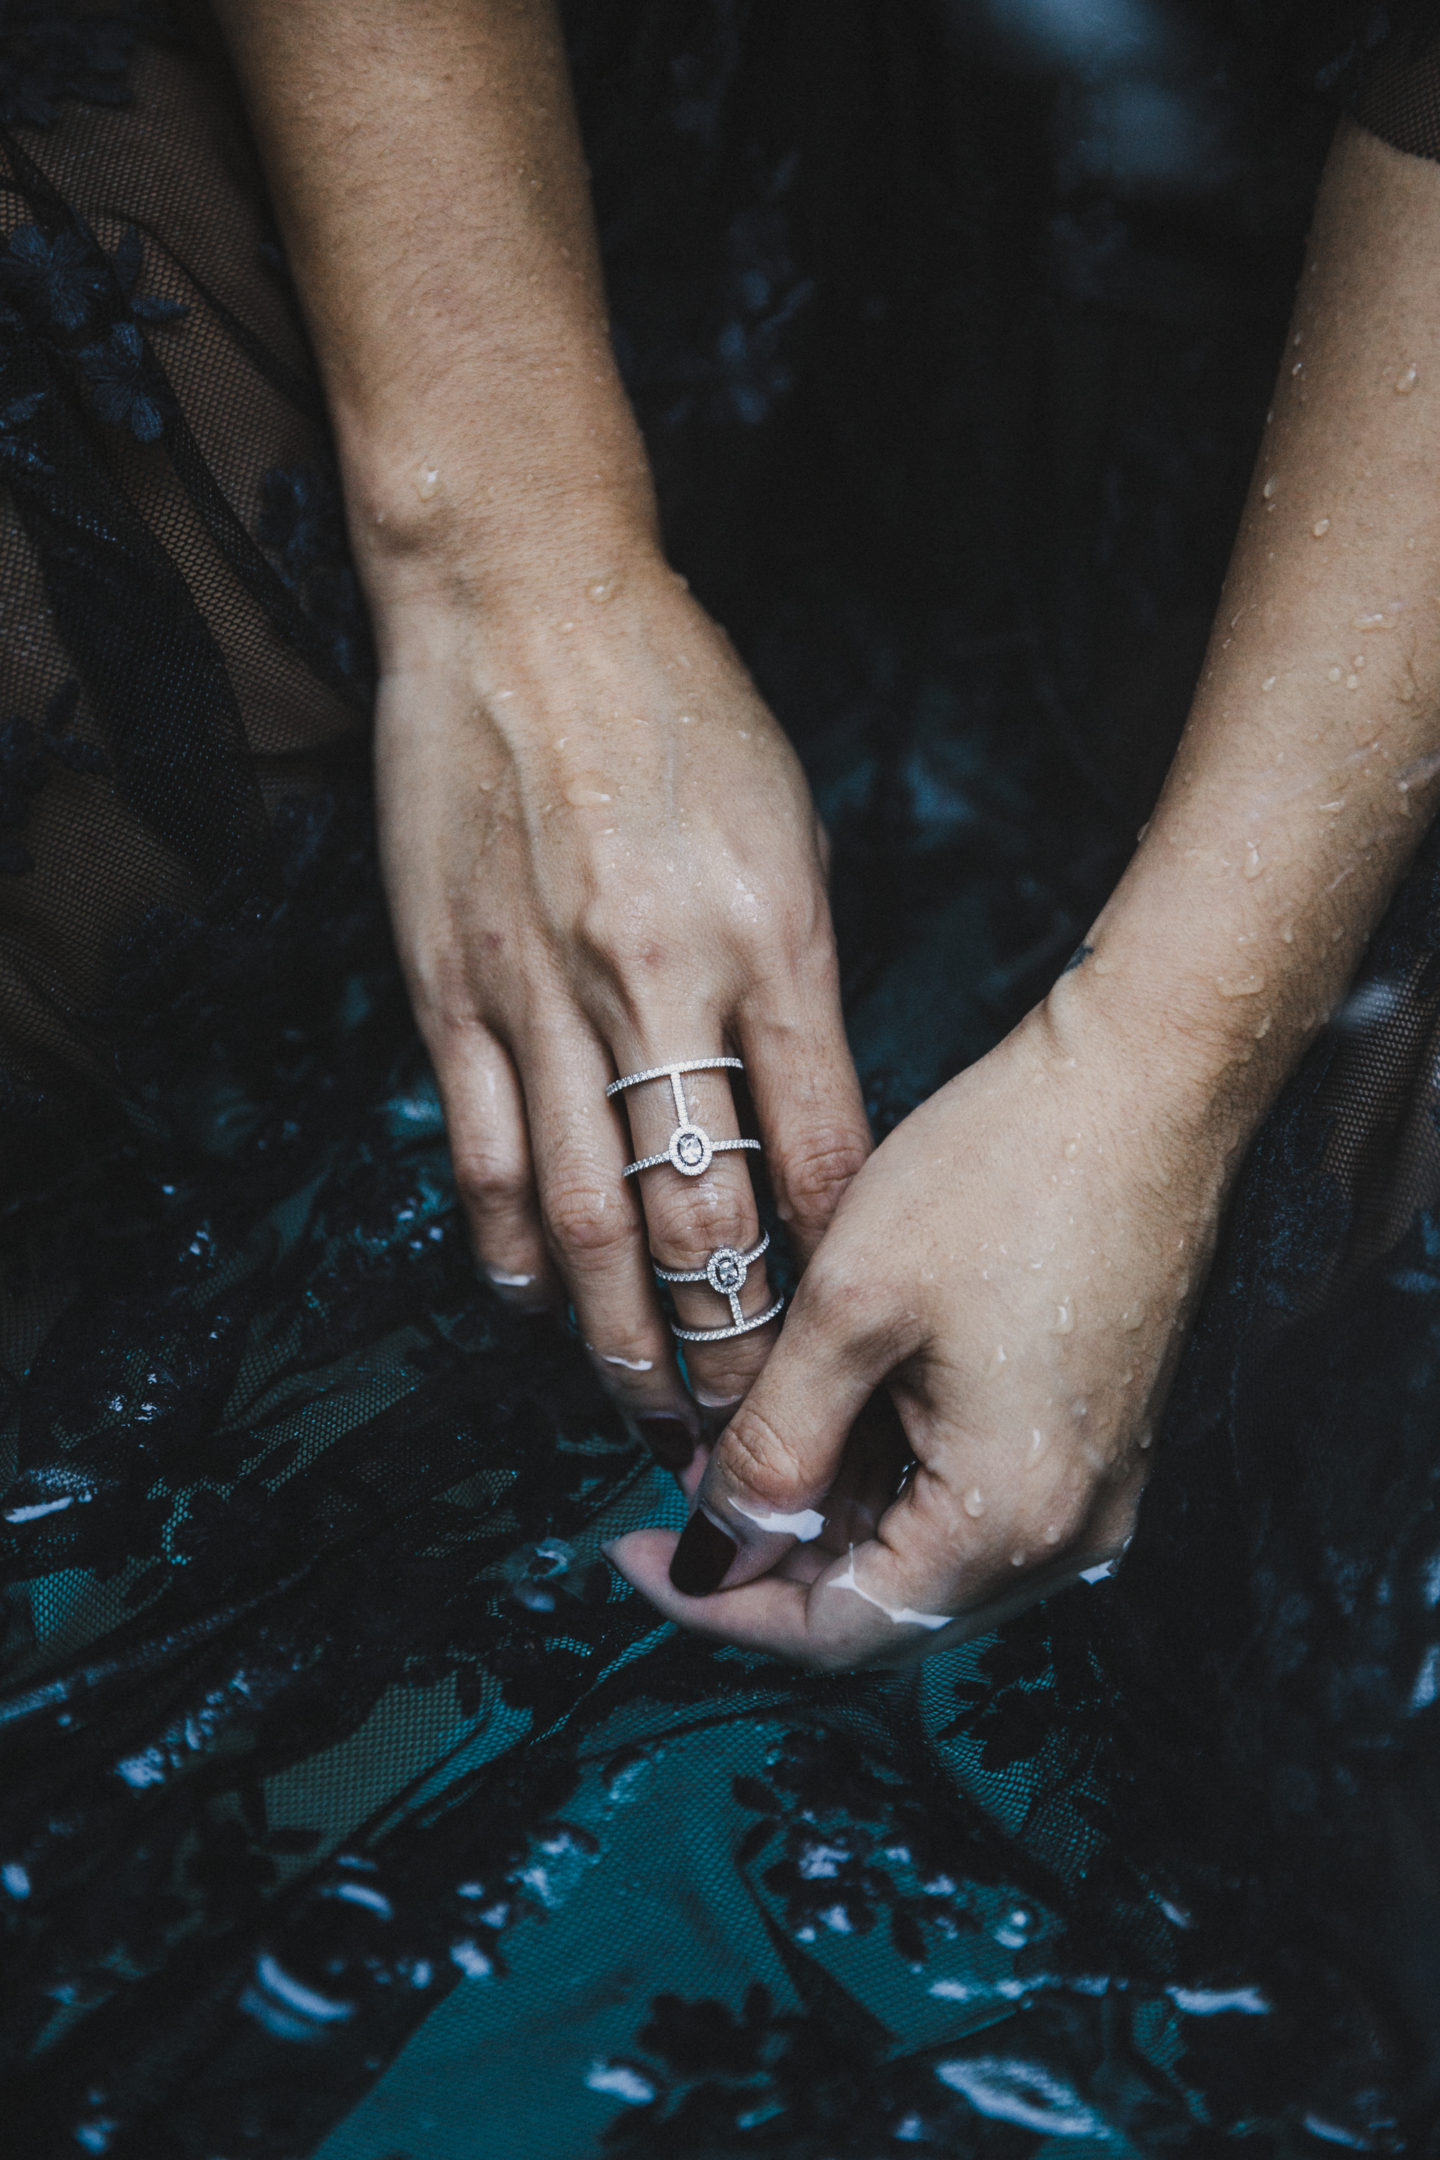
[725, 1271]
[691, 1149]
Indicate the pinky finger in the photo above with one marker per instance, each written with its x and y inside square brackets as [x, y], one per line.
[490, 1154]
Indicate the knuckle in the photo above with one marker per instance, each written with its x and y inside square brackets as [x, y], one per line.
[686, 1228]
[490, 1185]
[759, 1460]
[586, 1221]
[816, 1172]
[624, 935]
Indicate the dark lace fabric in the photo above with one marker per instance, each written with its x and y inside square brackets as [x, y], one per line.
[350, 1807]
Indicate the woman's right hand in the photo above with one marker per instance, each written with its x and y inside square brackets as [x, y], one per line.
[601, 855]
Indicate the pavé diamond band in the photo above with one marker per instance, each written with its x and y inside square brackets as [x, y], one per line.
[725, 1271]
[691, 1150]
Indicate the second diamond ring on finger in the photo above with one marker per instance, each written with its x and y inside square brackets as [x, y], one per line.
[725, 1271]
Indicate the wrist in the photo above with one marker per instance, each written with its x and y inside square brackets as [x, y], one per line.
[494, 478]
[1209, 985]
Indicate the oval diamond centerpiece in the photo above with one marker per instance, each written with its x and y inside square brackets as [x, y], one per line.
[690, 1150]
[726, 1270]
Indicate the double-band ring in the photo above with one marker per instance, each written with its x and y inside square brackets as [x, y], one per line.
[691, 1149]
[725, 1271]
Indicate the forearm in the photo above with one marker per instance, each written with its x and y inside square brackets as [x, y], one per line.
[1309, 766]
[429, 180]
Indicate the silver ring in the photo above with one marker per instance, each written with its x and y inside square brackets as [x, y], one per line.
[727, 1334]
[725, 1271]
[691, 1149]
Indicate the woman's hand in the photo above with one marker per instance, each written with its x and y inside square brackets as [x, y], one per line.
[1018, 1260]
[601, 856]
[1022, 1255]
[599, 849]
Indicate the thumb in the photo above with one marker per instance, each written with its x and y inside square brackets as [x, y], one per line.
[765, 1486]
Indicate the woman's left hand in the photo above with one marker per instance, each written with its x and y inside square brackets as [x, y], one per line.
[1018, 1260]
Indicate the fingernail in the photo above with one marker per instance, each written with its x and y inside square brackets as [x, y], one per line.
[525, 1291]
[702, 1558]
[669, 1440]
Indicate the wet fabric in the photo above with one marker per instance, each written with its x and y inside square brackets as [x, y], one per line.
[350, 1806]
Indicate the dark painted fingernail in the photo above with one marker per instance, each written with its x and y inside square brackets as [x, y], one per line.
[702, 1558]
[669, 1440]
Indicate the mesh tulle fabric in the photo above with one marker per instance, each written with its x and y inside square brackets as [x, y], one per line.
[349, 1806]
[1401, 99]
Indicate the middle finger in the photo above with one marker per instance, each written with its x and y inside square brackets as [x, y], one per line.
[700, 1210]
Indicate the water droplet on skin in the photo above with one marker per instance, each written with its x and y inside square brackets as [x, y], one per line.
[1299, 368]
[686, 718]
[600, 590]
[1017, 1559]
[1072, 1149]
[974, 1502]
[1270, 489]
[1144, 1437]
[996, 1361]
[1352, 682]
[1335, 673]
[1052, 1533]
[1264, 1028]
[1320, 528]
[1287, 935]
[1329, 808]
[583, 794]
[1253, 864]
[1237, 986]
[1406, 380]
[427, 481]
[1269, 683]
[1132, 1318]
[1064, 1321]
[1037, 1442]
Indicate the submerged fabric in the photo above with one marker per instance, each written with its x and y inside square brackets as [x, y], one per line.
[350, 1806]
